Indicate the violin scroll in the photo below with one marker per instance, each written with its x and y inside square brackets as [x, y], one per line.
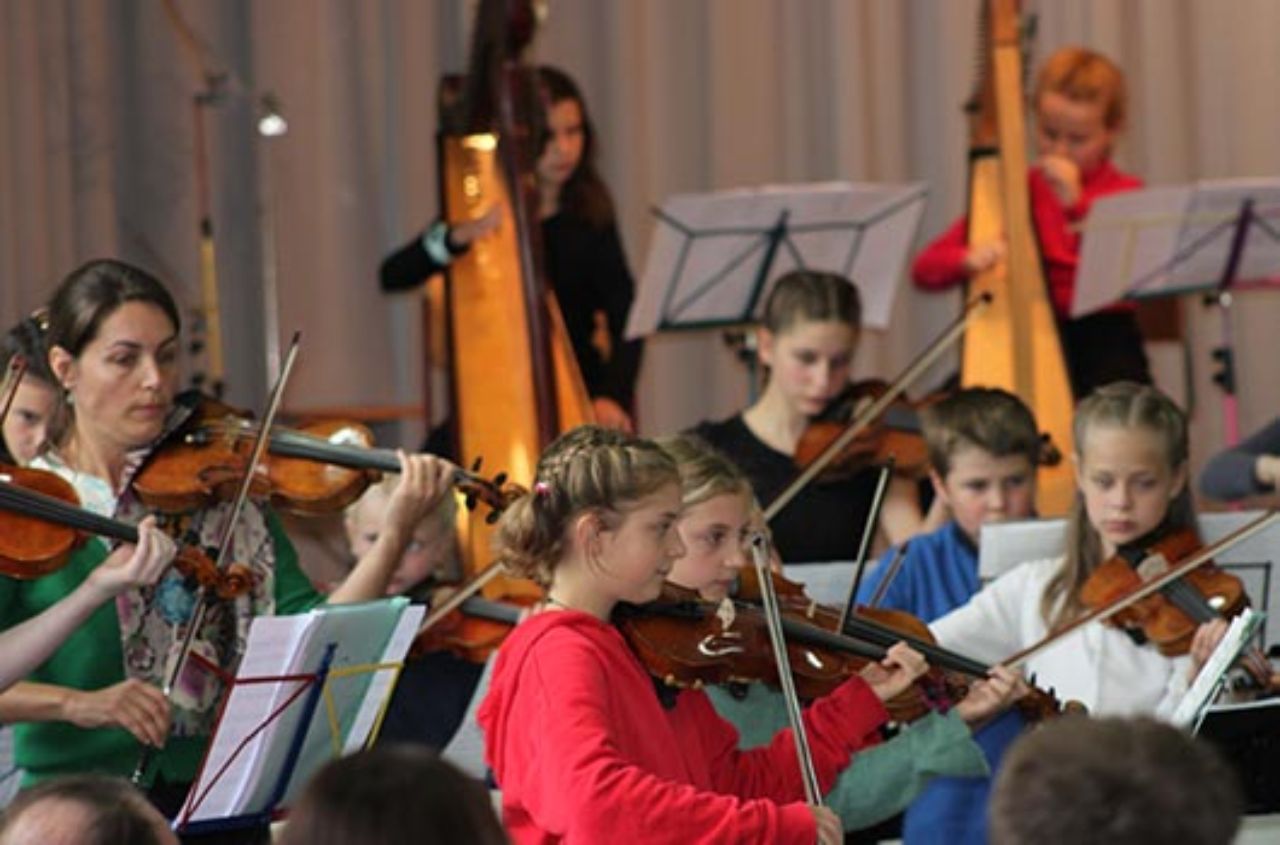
[497, 493]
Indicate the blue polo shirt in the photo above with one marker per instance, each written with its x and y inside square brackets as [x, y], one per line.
[938, 574]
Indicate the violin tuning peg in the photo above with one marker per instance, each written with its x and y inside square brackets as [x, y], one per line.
[469, 502]
[492, 517]
[500, 479]
[475, 465]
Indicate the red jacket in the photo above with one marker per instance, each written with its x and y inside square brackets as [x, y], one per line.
[584, 752]
[941, 264]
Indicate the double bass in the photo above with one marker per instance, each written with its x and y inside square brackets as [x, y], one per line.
[515, 383]
[1015, 343]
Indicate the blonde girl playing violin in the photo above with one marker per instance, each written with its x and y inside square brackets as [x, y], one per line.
[113, 346]
[580, 742]
[717, 516]
[1131, 476]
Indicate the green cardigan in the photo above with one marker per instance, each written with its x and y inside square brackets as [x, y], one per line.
[879, 781]
[91, 659]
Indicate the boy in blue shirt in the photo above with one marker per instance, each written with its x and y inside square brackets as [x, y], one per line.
[983, 449]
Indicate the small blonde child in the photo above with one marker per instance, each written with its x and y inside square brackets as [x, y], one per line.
[718, 514]
[421, 526]
[412, 519]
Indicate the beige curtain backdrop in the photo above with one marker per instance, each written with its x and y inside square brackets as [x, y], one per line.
[96, 153]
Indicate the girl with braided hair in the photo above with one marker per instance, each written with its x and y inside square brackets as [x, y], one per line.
[582, 747]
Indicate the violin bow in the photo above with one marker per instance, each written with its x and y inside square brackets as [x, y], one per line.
[1200, 558]
[224, 543]
[460, 595]
[890, 572]
[773, 618]
[873, 411]
[864, 546]
[9, 387]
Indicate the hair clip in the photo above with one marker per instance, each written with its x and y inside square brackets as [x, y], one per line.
[40, 317]
[541, 488]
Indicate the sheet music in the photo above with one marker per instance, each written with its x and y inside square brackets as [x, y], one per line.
[707, 249]
[361, 633]
[1202, 691]
[285, 645]
[1175, 239]
[380, 687]
[273, 647]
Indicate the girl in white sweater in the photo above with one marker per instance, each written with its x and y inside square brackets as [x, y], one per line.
[1131, 475]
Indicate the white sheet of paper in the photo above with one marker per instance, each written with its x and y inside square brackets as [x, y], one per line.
[860, 230]
[380, 686]
[1175, 239]
[272, 647]
[1202, 691]
[285, 645]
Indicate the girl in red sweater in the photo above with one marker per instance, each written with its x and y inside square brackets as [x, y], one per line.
[580, 742]
[1080, 105]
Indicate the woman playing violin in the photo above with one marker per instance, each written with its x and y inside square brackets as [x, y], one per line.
[113, 347]
[1131, 458]
[806, 340]
[716, 517]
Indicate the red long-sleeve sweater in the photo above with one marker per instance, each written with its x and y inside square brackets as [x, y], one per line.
[941, 264]
[584, 752]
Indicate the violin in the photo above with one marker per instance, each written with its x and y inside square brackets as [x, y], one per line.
[950, 674]
[894, 435]
[1169, 617]
[41, 523]
[315, 469]
[1151, 585]
[866, 416]
[687, 642]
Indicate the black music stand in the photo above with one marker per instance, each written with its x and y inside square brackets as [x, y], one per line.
[714, 257]
[1212, 238]
[1248, 735]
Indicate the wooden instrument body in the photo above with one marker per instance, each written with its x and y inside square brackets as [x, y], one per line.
[515, 381]
[1015, 343]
